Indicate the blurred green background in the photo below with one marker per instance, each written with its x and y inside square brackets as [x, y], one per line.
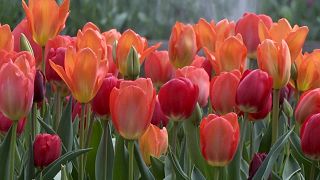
[154, 18]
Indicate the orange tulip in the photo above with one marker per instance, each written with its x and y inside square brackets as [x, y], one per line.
[308, 67]
[111, 36]
[225, 29]
[128, 40]
[182, 45]
[154, 142]
[46, 18]
[17, 75]
[6, 38]
[230, 54]
[131, 107]
[282, 30]
[219, 138]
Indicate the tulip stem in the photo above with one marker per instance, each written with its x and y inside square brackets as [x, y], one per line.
[13, 148]
[216, 173]
[313, 170]
[174, 134]
[33, 120]
[81, 158]
[275, 114]
[131, 157]
[43, 60]
[251, 140]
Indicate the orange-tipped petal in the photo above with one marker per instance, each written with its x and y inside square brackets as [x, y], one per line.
[295, 41]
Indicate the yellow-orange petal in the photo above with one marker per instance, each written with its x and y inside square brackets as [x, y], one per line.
[206, 35]
[6, 38]
[295, 41]
[280, 30]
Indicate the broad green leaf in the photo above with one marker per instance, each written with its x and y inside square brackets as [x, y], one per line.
[291, 168]
[196, 174]
[157, 168]
[121, 159]
[177, 168]
[29, 166]
[5, 155]
[144, 170]
[64, 174]
[65, 129]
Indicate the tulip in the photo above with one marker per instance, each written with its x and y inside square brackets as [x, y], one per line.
[178, 98]
[157, 67]
[6, 38]
[206, 35]
[23, 27]
[248, 26]
[111, 36]
[224, 29]
[223, 90]
[202, 62]
[215, 131]
[182, 45]
[253, 91]
[199, 77]
[46, 149]
[286, 93]
[39, 87]
[310, 143]
[158, 117]
[255, 164]
[274, 58]
[6, 123]
[131, 107]
[17, 73]
[262, 113]
[308, 104]
[308, 67]
[154, 142]
[46, 18]
[100, 103]
[131, 51]
[282, 30]
[230, 54]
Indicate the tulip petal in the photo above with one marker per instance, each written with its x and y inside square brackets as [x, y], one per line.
[295, 41]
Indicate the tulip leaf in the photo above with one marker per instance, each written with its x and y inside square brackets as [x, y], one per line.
[5, 155]
[144, 170]
[64, 174]
[121, 159]
[46, 127]
[291, 168]
[105, 155]
[266, 140]
[266, 167]
[176, 166]
[29, 168]
[50, 171]
[196, 174]
[65, 128]
[157, 168]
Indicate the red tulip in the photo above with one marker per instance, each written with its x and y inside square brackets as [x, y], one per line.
[310, 143]
[46, 149]
[158, 117]
[131, 107]
[253, 91]
[223, 90]
[100, 103]
[199, 77]
[262, 113]
[202, 62]
[219, 138]
[256, 162]
[39, 87]
[308, 104]
[178, 98]
[6, 123]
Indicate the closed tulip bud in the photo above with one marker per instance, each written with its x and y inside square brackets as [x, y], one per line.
[157, 67]
[215, 131]
[6, 123]
[39, 87]
[287, 108]
[274, 58]
[286, 93]
[158, 117]
[133, 64]
[178, 98]
[100, 103]
[248, 27]
[262, 113]
[17, 73]
[46, 149]
[310, 143]
[253, 91]
[50, 25]
[308, 104]
[255, 164]
[223, 90]
[199, 77]
[131, 107]
[25, 44]
[23, 28]
[182, 45]
[154, 142]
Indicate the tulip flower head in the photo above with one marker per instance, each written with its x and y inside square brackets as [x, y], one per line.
[255, 164]
[309, 131]
[6, 38]
[308, 104]
[158, 117]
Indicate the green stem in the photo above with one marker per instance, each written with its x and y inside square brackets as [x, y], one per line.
[81, 158]
[313, 170]
[174, 134]
[131, 157]
[251, 140]
[33, 120]
[43, 60]
[216, 173]
[13, 148]
[58, 110]
[275, 114]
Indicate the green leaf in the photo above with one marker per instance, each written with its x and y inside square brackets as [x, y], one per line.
[177, 168]
[50, 171]
[105, 155]
[25, 44]
[64, 174]
[157, 168]
[291, 168]
[144, 170]
[266, 140]
[46, 127]
[65, 129]
[5, 154]
[29, 166]
[121, 159]
[196, 174]
[266, 167]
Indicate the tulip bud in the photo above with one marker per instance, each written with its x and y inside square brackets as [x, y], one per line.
[158, 117]
[25, 45]
[178, 98]
[256, 162]
[133, 64]
[264, 112]
[308, 104]
[6, 123]
[46, 149]
[286, 93]
[253, 91]
[114, 51]
[57, 56]
[287, 108]
[310, 143]
[293, 72]
[39, 87]
[215, 131]
[154, 142]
